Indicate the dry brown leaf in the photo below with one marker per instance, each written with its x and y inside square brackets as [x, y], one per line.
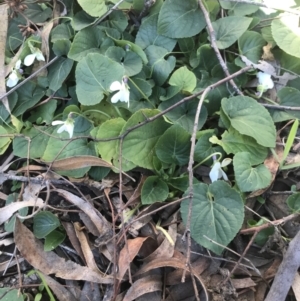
[3, 34]
[31, 168]
[32, 190]
[45, 42]
[199, 266]
[133, 247]
[7, 211]
[182, 291]
[166, 249]
[102, 225]
[77, 162]
[90, 292]
[87, 252]
[263, 65]
[49, 262]
[271, 271]
[242, 283]
[169, 262]
[73, 238]
[261, 290]
[61, 293]
[89, 225]
[268, 55]
[144, 286]
[283, 79]
[135, 196]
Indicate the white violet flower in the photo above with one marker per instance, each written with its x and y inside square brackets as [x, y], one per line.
[36, 54]
[15, 75]
[123, 94]
[67, 125]
[217, 171]
[264, 82]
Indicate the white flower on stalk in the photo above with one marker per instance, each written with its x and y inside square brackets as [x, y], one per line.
[264, 82]
[123, 94]
[67, 125]
[36, 54]
[15, 75]
[217, 171]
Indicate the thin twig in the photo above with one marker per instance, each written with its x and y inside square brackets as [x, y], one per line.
[279, 107]
[28, 78]
[212, 36]
[269, 224]
[288, 10]
[237, 264]
[108, 12]
[149, 119]
[191, 189]
[286, 271]
[121, 213]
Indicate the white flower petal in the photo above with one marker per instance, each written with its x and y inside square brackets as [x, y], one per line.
[39, 55]
[12, 81]
[18, 64]
[62, 128]
[56, 122]
[29, 59]
[265, 80]
[69, 128]
[224, 175]
[116, 97]
[215, 172]
[115, 86]
[126, 95]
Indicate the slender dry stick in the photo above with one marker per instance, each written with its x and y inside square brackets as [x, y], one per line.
[149, 119]
[212, 36]
[121, 213]
[237, 264]
[114, 240]
[191, 189]
[286, 271]
[269, 224]
[28, 78]
[288, 10]
[108, 12]
[279, 107]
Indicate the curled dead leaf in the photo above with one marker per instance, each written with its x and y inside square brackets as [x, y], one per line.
[49, 262]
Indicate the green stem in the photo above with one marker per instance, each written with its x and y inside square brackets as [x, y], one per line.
[207, 158]
[263, 97]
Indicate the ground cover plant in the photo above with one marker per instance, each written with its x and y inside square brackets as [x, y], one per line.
[149, 149]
